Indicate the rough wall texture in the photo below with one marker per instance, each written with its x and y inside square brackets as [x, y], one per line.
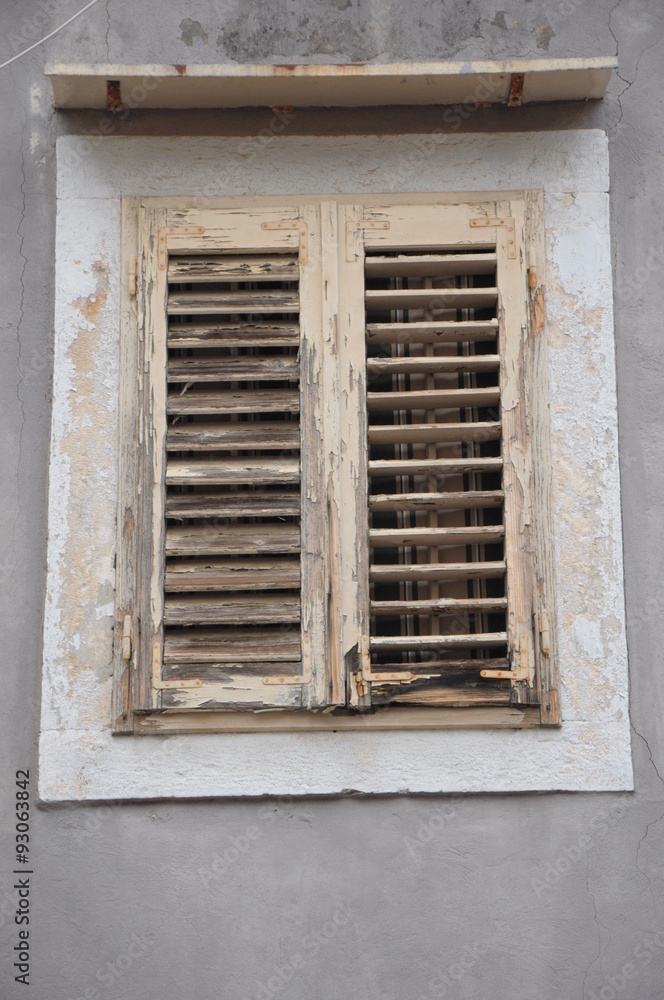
[555, 896]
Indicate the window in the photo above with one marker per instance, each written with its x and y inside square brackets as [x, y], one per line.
[441, 748]
[334, 471]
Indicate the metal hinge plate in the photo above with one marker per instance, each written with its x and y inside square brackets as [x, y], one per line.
[365, 676]
[293, 225]
[523, 663]
[484, 222]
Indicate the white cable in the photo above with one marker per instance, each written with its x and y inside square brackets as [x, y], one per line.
[46, 37]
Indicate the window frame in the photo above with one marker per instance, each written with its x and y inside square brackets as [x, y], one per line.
[526, 208]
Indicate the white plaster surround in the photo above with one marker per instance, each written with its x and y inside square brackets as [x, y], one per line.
[79, 758]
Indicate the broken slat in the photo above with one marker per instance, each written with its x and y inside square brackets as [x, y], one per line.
[436, 501]
[432, 466]
[251, 504]
[253, 267]
[250, 334]
[432, 399]
[222, 575]
[262, 435]
[438, 571]
[247, 609]
[275, 300]
[435, 299]
[272, 369]
[393, 643]
[430, 265]
[240, 539]
[431, 332]
[438, 537]
[441, 605]
[240, 401]
[231, 645]
[420, 433]
[227, 471]
[438, 666]
[432, 366]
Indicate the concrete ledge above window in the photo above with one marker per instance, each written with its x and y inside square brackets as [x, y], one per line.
[226, 85]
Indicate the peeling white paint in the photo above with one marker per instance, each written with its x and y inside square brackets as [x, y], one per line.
[79, 759]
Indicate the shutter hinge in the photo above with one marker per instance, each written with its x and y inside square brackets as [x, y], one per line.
[488, 221]
[544, 631]
[364, 676]
[126, 638]
[523, 663]
[132, 275]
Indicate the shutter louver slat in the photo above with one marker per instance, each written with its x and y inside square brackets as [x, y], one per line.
[232, 475]
[438, 605]
[234, 334]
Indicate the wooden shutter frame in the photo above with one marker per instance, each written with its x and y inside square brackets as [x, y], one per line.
[340, 382]
[515, 226]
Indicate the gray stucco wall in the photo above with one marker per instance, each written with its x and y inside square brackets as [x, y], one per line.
[380, 898]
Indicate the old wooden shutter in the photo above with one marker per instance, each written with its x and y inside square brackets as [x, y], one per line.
[229, 603]
[437, 337]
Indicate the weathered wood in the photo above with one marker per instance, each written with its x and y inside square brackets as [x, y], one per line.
[240, 539]
[260, 435]
[248, 609]
[432, 399]
[222, 472]
[436, 433]
[354, 526]
[260, 503]
[539, 397]
[253, 267]
[436, 299]
[393, 643]
[438, 571]
[442, 605]
[436, 501]
[240, 401]
[433, 666]
[451, 697]
[127, 591]
[279, 333]
[432, 332]
[432, 365]
[315, 542]
[432, 466]
[274, 300]
[223, 575]
[440, 537]
[231, 645]
[231, 369]
[174, 722]
[519, 546]
[430, 265]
